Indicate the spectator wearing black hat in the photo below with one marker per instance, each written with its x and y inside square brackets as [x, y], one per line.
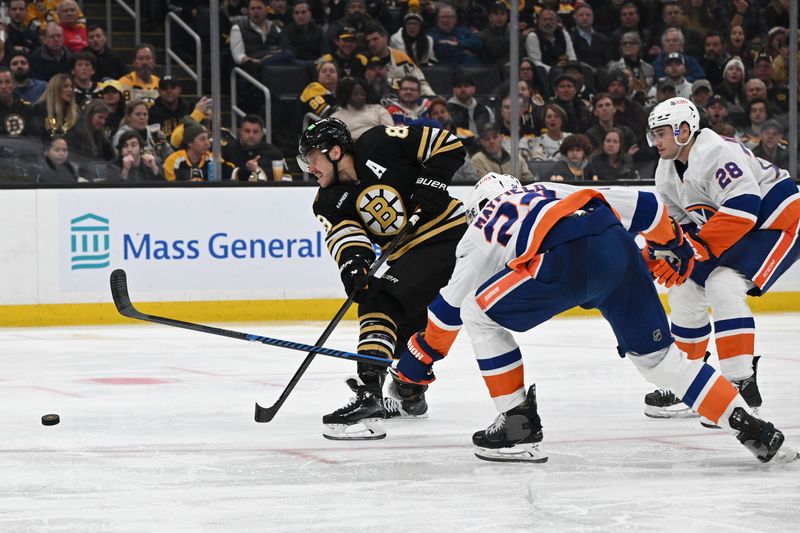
[25, 87]
[771, 147]
[83, 77]
[664, 90]
[302, 36]
[19, 37]
[492, 157]
[464, 109]
[716, 111]
[15, 113]
[193, 161]
[455, 46]
[170, 107]
[398, 63]
[355, 19]
[108, 63]
[412, 39]
[349, 63]
[591, 47]
[251, 154]
[629, 112]
[674, 68]
[52, 57]
[549, 45]
[579, 118]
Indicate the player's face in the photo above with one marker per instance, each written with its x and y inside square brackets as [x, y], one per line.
[664, 140]
[321, 167]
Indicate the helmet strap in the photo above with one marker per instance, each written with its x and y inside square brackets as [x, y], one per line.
[335, 163]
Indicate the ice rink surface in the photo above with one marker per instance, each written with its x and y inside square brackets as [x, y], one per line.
[157, 434]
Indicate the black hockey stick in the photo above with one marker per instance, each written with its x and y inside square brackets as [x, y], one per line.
[119, 291]
[266, 414]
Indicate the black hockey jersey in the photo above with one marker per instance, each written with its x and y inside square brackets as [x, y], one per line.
[389, 161]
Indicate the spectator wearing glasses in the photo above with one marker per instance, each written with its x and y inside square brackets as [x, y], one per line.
[630, 46]
[52, 57]
[409, 107]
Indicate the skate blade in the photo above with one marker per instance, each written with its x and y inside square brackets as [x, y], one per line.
[652, 411]
[708, 424]
[786, 454]
[367, 429]
[521, 453]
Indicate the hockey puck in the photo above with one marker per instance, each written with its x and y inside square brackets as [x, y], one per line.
[50, 420]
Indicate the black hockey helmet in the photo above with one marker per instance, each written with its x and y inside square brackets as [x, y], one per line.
[324, 135]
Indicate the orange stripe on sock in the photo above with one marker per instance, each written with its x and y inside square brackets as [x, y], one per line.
[718, 399]
[734, 345]
[695, 350]
[440, 339]
[505, 383]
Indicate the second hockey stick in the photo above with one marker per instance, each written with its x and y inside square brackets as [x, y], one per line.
[266, 414]
[119, 292]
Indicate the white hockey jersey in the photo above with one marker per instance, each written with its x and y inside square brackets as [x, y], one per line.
[512, 227]
[726, 191]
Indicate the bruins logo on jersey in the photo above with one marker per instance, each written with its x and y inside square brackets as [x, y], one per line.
[14, 124]
[381, 208]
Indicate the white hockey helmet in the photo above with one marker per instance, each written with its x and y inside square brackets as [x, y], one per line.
[673, 113]
[488, 187]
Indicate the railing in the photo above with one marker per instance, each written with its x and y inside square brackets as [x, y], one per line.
[238, 112]
[197, 76]
[135, 13]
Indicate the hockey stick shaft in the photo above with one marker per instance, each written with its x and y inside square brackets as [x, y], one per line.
[266, 414]
[119, 292]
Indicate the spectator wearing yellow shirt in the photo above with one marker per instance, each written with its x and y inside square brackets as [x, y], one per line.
[141, 82]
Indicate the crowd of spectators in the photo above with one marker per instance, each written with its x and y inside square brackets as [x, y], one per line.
[590, 71]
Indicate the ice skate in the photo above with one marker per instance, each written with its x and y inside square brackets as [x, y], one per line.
[748, 390]
[359, 419]
[762, 438]
[663, 403]
[514, 436]
[405, 400]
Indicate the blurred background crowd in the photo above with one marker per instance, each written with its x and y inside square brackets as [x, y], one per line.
[74, 109]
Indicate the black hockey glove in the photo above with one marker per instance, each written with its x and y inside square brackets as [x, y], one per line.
[430, 196]
[357, 283]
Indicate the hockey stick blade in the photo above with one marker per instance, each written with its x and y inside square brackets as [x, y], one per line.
[122, 300]
[266, 414]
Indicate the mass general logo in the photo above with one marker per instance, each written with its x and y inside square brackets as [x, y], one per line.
[89, 242]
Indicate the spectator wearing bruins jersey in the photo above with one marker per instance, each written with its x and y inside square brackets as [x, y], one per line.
[319, 97]
[193, 161]
[398, 64]
[350, 63]
[368, 191]
[141, 82]
[15, 113]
